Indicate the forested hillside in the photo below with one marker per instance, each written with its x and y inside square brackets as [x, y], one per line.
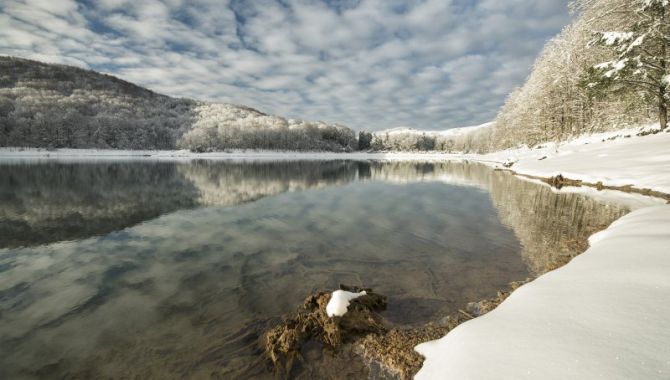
[56, 106]
[607, 70]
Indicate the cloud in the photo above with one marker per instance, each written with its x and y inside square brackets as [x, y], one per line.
[370, 64]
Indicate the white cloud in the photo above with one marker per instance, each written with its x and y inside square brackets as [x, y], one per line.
[370, 64]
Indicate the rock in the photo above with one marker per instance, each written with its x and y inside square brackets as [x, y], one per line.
[283, 343]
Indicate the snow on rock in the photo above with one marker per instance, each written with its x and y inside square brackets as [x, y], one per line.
[642, 161]
[602, 316]
[339, 302]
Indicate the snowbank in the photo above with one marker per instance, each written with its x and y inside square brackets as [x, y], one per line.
[339, 302]
[604, 315]
[640, 161]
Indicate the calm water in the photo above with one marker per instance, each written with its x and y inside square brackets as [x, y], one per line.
[171, 270]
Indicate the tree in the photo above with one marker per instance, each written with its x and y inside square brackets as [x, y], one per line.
[425, 143]
[364, 140]
[642, 56]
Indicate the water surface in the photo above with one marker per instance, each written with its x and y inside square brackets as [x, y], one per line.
[172, 269]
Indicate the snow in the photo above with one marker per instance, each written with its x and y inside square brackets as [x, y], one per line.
[616, 67]
[339, 302]
[603, 315]
[638, 42]
[611, 38]
[642, 161]
[446, 132]
[648, 3]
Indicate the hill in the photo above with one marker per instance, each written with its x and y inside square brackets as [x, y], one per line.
[59, 106]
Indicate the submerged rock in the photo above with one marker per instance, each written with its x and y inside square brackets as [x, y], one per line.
[311, 323]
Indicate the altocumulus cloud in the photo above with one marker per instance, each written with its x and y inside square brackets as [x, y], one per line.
[370, 64]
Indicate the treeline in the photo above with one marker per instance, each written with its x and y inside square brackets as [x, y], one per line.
[219, 127]
[459, 140]
[57, 106]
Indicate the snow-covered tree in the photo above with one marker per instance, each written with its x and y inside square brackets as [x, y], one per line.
[554, 104]
[642, 59]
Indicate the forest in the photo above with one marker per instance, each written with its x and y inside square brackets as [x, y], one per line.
[56, 106]
[607, 70]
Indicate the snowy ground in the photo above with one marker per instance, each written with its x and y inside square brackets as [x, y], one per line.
[640, 161]
[602, 316]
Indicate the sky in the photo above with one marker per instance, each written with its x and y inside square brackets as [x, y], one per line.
[368, 64]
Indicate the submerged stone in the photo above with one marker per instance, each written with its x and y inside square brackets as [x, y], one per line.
[311, 323]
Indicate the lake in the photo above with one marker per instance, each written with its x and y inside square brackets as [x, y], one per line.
[154, 269]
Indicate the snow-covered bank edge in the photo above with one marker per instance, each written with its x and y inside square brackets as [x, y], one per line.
[603, 315]
[620, 158]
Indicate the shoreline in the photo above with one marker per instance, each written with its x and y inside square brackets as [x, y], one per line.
[392, 351]
[395, 351]
[559, 182]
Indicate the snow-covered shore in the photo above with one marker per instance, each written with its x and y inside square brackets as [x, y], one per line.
[642, 161]
[604, 315]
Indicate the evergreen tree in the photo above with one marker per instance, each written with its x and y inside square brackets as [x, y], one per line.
[642, 55]
[364, 140]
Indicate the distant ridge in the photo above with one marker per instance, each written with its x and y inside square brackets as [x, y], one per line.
[58, 106]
